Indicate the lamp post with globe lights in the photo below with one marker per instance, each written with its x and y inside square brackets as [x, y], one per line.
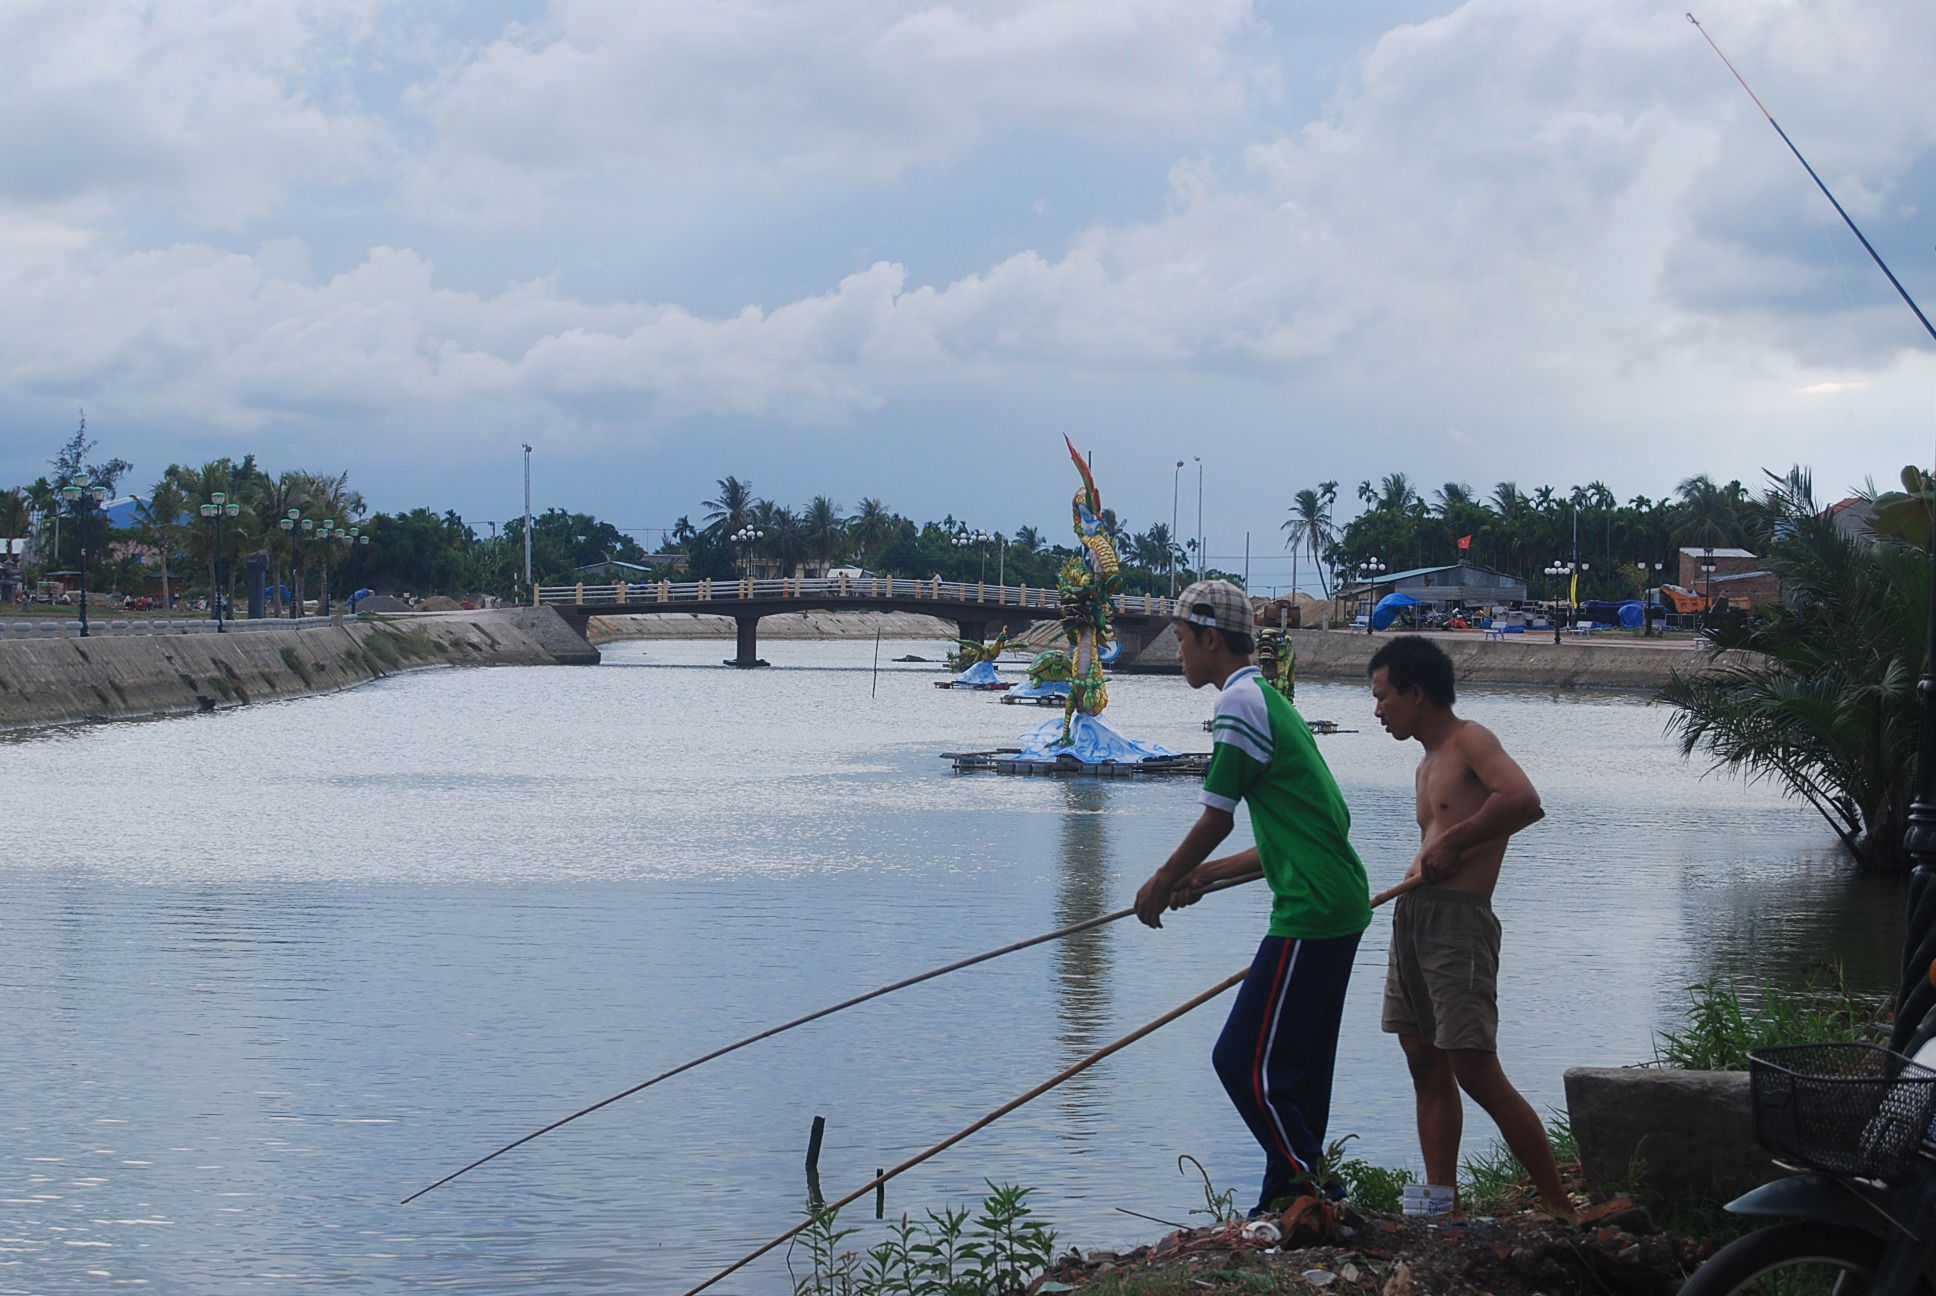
[1373, 567]
[217, 509]
[969, 539]
[84, 499]
[745, 538]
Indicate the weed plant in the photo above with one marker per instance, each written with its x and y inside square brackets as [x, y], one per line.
[1722, 1028]
[994, 1252]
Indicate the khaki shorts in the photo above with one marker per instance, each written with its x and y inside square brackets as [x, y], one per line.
[1442, 980]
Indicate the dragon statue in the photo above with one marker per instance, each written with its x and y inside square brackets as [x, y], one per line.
[1051, 667]
[1084, 588]
[1277, 658]
[972, 652]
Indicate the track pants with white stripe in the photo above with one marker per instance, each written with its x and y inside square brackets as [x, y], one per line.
[1277, 1050]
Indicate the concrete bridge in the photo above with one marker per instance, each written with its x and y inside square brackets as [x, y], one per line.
[977, 609]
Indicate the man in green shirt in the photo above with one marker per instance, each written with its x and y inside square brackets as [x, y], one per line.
[1277, 1050]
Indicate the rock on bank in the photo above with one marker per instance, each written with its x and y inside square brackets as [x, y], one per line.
[110, 677]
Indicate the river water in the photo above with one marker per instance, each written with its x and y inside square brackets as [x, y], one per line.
[270, 970]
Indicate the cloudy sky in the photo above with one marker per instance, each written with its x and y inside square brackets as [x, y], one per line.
[897, 248]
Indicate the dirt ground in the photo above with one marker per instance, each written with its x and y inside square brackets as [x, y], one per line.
[1616, 1251]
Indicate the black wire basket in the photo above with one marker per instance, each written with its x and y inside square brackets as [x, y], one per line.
[1845, 1109]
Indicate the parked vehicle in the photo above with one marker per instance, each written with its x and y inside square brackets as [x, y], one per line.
[1854, 1121]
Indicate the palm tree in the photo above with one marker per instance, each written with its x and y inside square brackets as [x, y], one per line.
[1452, 496]
[1396, 493]
[1311, 528]
[869, 529]
[1029, 540]
[733, 507]
[1822, 696]
[162, 522]
[822, 532]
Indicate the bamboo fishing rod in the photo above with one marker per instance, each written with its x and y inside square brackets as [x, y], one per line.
[1076, 1068]
[1007, 1107]
[1846, 220]
[1060, 932]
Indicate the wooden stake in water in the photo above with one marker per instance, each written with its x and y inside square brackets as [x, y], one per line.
[1007, 1107]
[877, 664]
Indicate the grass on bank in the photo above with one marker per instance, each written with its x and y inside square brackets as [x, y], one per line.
[1723, 1024]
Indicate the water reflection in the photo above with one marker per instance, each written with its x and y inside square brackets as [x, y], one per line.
[1082, 893]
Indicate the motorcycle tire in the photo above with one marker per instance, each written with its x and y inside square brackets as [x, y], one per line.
[1843, 1262]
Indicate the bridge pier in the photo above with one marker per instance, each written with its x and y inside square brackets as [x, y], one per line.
[748, 635]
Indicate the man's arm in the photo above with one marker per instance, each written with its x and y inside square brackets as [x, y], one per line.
[1211, 827]
[1511, 803]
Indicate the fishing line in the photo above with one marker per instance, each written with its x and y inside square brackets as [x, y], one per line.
[812, 1016]
[1846, 219]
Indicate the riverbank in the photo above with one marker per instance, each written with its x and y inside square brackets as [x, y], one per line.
[72, 680]
[1612, 661]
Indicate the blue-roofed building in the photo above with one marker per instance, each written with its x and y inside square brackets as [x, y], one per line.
[1455, 584]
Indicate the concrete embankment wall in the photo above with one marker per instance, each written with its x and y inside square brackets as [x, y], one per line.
[65, 681]
[787, 625]
[1530, 660]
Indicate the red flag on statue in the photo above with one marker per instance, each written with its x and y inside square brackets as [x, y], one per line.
[1465, 542]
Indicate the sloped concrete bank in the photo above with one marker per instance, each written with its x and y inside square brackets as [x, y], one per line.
[68, 681]
[1527, 660]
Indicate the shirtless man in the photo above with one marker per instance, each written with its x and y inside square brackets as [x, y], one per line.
[1441, 988]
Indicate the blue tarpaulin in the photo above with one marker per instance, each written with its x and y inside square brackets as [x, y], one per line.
[1092, 742]
[1388, 608]
[979, 673]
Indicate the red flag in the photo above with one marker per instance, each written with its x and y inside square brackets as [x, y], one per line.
[1465, 542]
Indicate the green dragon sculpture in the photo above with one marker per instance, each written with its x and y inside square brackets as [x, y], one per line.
[1085, 587]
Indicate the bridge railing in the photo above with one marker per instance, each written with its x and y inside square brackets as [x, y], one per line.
[622, 594]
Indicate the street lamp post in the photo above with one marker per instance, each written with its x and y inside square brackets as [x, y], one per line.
[218, 509]
[1201, 567]
[83, 499]
[746, 537]
[296, 527]
[1707, 583]
[967, 539]
[1372, 568]
[1175, 477]
[1570, 570]
[1647, 569]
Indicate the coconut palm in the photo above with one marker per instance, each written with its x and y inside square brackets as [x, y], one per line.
[1310, 528]
[161, 521]
[869, 530]
[1453, 496]
[821, 531]
[732, 508]
[1821, 695]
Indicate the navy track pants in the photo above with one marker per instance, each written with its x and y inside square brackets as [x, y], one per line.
[1277, 1050]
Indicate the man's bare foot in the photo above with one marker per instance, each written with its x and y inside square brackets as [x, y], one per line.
[1563, 1210]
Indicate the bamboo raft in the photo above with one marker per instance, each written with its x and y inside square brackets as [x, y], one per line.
[1009, 760]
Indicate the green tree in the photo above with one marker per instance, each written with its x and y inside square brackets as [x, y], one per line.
[1310, 527]
[1822, 697]
[161, 523]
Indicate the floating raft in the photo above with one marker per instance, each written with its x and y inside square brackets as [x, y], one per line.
[1316, 727]
[1046, 699]
[975, 688]
[1009, 760]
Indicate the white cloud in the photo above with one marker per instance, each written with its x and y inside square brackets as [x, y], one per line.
[1522, 227]
[219, 109]
[763, 91]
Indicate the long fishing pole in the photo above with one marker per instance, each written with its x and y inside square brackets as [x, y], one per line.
[1007, 1107]
[1060, 932]
[1873, 254]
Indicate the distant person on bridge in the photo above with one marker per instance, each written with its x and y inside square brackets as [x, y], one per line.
[1278, 1047]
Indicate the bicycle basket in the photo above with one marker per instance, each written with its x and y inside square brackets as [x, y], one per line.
[1847, 1109]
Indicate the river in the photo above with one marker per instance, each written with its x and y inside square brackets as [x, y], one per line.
[267, 971]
